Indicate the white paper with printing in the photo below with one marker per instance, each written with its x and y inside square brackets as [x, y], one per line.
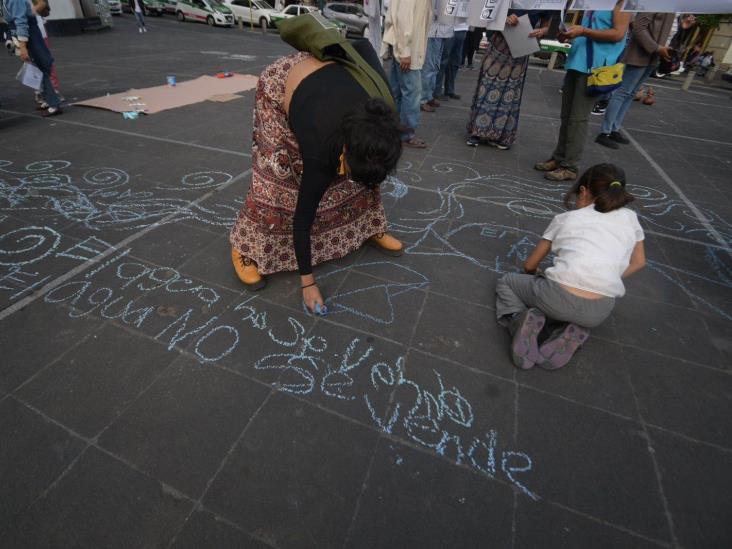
[30, 75]
[456, 8]
[679, 6]
[518, 39]
[538, 4]
[446, 15]
[488, 14]
[595, 5]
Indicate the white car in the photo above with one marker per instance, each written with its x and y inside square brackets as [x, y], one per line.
[258, 12]
[205, 11]
[291, 11]
[115, 7]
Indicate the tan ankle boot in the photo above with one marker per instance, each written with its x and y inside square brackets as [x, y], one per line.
[387, 244]
[246, 270]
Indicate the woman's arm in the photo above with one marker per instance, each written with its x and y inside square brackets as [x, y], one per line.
[541, 250]
[637, 259]
[621, 20]
[314, 182]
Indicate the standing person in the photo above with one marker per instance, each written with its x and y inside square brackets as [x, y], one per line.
[648, 34]
[606, 30]
[321, 147]
[42, 10]
[451, 59]
[472, 43]
[33, 49]
[595, 247]
[136, 7]
[496, 106]
[439, 35]
[405, 41]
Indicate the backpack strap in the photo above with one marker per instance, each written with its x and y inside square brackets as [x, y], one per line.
[313, 33]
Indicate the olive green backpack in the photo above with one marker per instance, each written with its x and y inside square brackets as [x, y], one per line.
[315, 34]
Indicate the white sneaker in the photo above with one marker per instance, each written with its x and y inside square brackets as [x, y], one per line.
[144, 29]
[140, 30]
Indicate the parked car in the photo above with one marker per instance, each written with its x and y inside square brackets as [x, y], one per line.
[169, 6]
[208, 11]
[351, 15]
[115, 7]
[257, 11]
[153, 7]
[294, 10]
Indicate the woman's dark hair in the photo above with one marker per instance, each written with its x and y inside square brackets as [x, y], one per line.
[606, 184]
[373, 142]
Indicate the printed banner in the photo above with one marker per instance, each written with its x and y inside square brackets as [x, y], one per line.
[682, 6]
[557, 5]
[488, 14]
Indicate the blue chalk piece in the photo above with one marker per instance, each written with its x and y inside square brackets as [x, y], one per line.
[399, 460]
[317, 308]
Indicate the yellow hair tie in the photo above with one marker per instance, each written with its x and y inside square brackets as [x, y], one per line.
[616, 183]
[342, 166]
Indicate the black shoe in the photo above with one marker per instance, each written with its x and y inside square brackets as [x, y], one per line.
[605, 140]
[619, 138]
[473, 141]
[599, 108]
[453, 96]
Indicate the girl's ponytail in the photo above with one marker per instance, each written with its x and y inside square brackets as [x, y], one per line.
[606, 184]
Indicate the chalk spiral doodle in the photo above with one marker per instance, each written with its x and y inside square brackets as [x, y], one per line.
[105, 198]
[106, 177]
[27, 245]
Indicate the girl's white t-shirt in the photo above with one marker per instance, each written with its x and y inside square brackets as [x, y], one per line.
[593, 249]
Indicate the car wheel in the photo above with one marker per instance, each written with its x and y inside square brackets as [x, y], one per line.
[210, 21]
[180, 16]
[263, 23]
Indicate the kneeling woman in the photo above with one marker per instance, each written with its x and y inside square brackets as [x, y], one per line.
[321, 147]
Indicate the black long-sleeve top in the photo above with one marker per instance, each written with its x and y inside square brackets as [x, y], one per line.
[317, 108]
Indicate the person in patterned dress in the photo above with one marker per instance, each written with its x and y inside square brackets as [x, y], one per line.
[321, 147]
[496, 106]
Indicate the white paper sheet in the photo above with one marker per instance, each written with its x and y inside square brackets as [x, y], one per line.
[538, 4]
[595, 5]
[518, 38]
[488, 14]
[30, 75]
[679, 6]
[457, 8]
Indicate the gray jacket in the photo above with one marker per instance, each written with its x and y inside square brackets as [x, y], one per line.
[649, 31]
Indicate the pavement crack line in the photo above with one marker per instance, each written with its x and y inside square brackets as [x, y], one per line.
[131, 134]
[5, 313]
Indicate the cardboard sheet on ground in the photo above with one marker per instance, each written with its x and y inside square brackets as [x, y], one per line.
[161, 98]
[518, 39]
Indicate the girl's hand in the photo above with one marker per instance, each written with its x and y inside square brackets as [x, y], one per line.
[538, 33]
[512, 21]
[314, 300]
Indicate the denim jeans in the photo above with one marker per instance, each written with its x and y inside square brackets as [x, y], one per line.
[140, 20]
[633, 78]
[43, 59]
[431, 67]
[406, 87]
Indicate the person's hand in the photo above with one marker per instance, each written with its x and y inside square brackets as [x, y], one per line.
[572, 32]
[512, 20]
[314, 300]
[405, 63]
[539, 33]
[665, 53]
[24, 56]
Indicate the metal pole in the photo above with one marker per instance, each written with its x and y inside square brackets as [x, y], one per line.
[689, 79]
[552, 60]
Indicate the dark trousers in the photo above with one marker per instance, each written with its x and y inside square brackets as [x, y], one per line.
[451, 58]
[576, 107]
[42, 58]
[472, 42]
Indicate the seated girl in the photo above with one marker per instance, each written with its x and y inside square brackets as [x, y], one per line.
[595, 246]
